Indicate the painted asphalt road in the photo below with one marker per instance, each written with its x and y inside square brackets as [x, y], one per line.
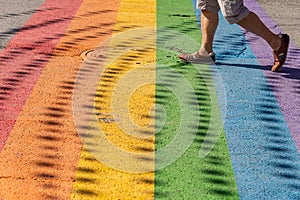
[286, 15]
[30, 162]
[42, 155]
[25, 56]
[263, 153]
[13, 17]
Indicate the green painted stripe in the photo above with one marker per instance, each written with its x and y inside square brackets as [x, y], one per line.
[189, 177]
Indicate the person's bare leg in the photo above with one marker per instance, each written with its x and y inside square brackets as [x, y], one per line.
[253, 24]
[209, 24]
[279, 45]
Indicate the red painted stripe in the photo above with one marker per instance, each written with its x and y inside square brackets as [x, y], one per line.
[24, 58]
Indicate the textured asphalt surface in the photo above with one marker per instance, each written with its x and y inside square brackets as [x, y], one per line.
[286, 13]
[13, 15]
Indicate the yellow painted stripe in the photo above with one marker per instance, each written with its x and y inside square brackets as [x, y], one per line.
[95, 179]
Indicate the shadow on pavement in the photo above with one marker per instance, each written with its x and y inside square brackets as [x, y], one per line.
[49, 169]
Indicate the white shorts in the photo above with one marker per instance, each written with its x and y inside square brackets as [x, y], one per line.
[233, 10]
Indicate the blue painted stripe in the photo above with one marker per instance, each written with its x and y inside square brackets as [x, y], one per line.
[265, 160]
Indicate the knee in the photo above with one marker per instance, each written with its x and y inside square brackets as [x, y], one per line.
[235, 13]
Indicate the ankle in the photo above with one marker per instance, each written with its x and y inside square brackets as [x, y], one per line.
[275, 43]
[204, 52]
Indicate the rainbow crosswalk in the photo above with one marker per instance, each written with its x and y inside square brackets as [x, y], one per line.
[95, 105]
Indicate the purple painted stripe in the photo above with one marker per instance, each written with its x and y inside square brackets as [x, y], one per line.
[286, 84]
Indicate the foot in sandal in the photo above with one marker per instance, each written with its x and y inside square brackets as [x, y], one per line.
[198, 57]
[281, 53]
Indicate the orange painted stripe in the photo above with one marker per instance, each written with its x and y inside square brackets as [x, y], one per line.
[41, 155]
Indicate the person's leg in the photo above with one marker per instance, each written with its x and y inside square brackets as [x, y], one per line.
[253, 24]
[209, 22]
[235, 12]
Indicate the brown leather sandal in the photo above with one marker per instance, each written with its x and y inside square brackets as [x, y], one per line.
[281, 53]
